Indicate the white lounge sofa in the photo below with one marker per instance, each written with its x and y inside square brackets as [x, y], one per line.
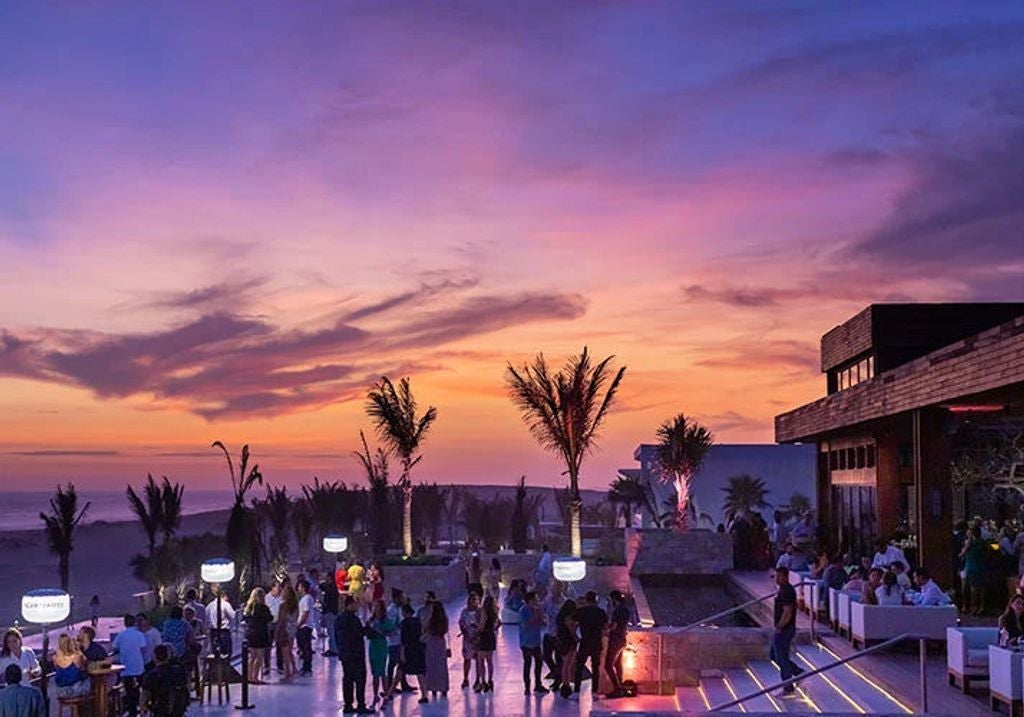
[846, 599]
[803, 591]
[832, 608]
[880, 622]
[967, 654]
[1004, 678]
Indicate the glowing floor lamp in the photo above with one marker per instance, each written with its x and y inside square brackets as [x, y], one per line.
[218, 571]
[569, 570]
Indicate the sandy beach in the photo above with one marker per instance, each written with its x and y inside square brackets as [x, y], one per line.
[99, 564]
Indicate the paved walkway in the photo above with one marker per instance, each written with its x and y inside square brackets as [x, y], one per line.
[320, 694]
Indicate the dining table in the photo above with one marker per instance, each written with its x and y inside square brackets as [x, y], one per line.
[102, 677]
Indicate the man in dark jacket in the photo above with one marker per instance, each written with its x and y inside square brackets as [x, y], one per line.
[592, 621]
[350, 637]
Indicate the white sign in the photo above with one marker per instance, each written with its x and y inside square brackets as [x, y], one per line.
[569, 570]
[218, 570]
[45, 607]
[335, 543]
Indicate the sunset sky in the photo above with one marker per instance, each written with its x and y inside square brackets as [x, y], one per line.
[224, 220]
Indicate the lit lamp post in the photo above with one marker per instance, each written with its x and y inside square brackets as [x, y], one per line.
[569, 570]
[46, 606]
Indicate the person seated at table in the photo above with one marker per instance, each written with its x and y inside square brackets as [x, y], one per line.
[13, 652]
[834, 576]
[793, 559]
[856, 581]
[887, 554]
[18, 700]
[902, 579]
[930, 594]
[69, 667]
[1011, 622]
[869, 596]
[166, 685]
[92, 650]
[889, 592]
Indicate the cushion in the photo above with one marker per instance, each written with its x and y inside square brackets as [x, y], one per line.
[977, 657]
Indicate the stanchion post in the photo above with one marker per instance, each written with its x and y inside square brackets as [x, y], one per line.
[245, 678]
[924, 675]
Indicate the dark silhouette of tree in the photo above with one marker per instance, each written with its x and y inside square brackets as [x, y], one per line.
[243, 538]
[524, 515]
[376, 467]
[149, 509]
[60, 524]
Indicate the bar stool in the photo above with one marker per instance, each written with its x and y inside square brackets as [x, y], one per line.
[215, 673]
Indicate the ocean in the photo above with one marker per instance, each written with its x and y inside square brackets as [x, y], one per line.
[20, 510]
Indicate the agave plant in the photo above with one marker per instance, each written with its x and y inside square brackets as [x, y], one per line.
[60, 525]
[683, 444]
[402, 429]
[564, 411]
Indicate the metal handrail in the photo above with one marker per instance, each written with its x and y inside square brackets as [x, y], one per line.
[724, 613]
[842, 661]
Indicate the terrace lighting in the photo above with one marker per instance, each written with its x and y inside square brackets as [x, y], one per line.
[218, 570]
[45, 606]
[335, 543]
[569, 569]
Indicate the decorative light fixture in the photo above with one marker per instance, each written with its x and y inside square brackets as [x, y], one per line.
[335, 543]
[569, 569]
[629, 658]
[218, 570]
[45, 606]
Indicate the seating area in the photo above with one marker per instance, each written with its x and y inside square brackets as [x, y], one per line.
[876, 623]
[967, 654]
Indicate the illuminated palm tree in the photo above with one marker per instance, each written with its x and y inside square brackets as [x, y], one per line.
[564, 412]
[60, 524]
[394, 410]
[683, 444]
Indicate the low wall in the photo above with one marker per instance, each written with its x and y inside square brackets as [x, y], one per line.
[600, 578]
[656, 551]
[663, 658]
[447, 581]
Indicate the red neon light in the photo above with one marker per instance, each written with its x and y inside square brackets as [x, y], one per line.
[981, 408]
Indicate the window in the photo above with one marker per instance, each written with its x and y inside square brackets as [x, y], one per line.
[842, 460]
[870, 462]
[857, 372]
[861, 456]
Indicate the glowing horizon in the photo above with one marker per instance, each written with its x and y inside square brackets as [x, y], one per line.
[227, 229]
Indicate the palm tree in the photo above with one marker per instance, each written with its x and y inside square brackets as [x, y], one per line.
[394, 410]
[799, 503]
[524, 514]
[564, 412]
[744, 495]
[628, 492]
[428, 507]
[171, 495]
[242, 534]
[149, 508]
[683, 444]
[486, 520]
[60, 524]
[278, 507]
[302, 524]
[377, 469]
[335, 507]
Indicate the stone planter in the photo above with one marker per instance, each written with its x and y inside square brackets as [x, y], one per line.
[658, 551]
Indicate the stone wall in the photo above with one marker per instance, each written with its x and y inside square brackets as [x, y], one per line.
[660, 659]
[447, 581]
[655, 551]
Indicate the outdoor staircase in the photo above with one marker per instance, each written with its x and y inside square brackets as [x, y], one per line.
[842, 690]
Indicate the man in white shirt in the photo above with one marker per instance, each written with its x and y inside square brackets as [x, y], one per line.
[888, 554]
[128, 647]
[192, 601]
[308, 619]
[544, 569]
[152, 635]
[219, 616]
[274, 604]
[931, 594]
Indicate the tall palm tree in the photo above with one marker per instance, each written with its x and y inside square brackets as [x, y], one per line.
[302, 526]
[171, 495]
[376, 465]
[60, 524]
[683, 444]
[524, 514]
[394, 410]
[334, 505]
[564, 412]
[744, 495]
[148, 508]
[242, 534]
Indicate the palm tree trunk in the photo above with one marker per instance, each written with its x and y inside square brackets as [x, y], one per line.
[407, 517]
[65, 570]
[682, 502]
[575, 508]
